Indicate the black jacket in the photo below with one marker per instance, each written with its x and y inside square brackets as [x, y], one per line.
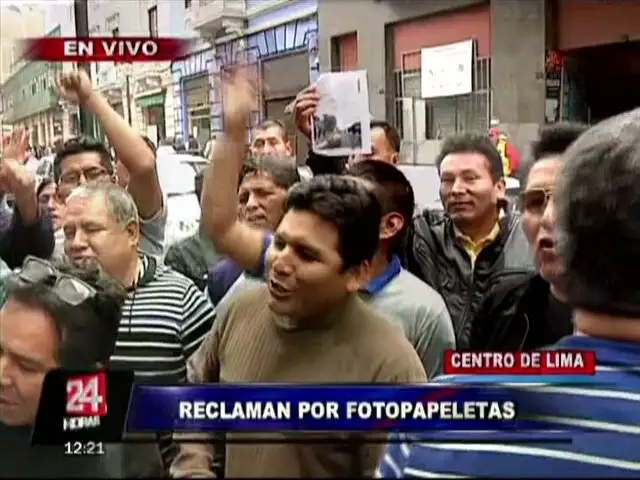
[521, 315]
[18, 240]
[435, 256]
[193, 257]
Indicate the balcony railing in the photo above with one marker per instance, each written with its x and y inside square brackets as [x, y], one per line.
[211, 16]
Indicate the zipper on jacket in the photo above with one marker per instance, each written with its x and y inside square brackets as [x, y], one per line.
[467, 305]
[469, 298]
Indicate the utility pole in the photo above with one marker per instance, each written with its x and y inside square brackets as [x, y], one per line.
[81, 15]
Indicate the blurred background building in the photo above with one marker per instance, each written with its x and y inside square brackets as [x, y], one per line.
[276, 38]
[16, 22]
[533, 62]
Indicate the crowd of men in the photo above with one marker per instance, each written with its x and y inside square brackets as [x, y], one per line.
[329, 279]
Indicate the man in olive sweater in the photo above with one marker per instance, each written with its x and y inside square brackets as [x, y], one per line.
[307, 325]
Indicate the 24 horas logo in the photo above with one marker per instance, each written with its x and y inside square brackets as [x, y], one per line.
[86, 401]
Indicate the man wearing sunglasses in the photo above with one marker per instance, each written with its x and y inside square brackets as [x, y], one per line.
[529, 312]
[54, 316]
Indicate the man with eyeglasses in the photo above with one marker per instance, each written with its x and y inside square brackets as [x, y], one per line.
[84, 159]
[55, 316]
[529, 312]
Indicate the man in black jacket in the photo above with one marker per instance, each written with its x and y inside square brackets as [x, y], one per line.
[55, 316]
[477, 243]
[194, 255]
[25, 230]
[529, 312]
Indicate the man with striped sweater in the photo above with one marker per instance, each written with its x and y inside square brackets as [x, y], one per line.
[165, 316]
[598, 230]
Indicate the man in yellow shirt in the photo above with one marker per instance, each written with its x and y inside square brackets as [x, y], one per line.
[465, 251]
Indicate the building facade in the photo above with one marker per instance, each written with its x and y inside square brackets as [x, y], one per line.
[31, 101]
[16, 23]
[277, 38]
[514, 80]
[137, 91]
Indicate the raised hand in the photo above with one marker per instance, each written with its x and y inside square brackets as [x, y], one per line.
[16, 146]
[74, 86]
[16, 178]
[239, 94]
[305, 106]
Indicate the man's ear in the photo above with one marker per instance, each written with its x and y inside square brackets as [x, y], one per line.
[390, 225]
[501, 189]
[358, 276]
[133, 232]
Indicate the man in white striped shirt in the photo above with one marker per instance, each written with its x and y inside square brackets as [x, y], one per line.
[165, 316]
[598, 231]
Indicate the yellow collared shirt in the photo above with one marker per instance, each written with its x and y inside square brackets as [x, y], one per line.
[472, 248]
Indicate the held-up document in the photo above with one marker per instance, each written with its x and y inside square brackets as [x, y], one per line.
[341, 124]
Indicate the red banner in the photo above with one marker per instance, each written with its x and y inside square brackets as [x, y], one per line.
[545, 362]
[106, 49]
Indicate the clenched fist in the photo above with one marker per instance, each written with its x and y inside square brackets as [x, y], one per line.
[304, 109]
[74, 86]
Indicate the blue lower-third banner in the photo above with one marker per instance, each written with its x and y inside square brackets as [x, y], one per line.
[264, 408]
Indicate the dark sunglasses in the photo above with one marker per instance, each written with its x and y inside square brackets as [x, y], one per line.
[535, 200]
[67, 288]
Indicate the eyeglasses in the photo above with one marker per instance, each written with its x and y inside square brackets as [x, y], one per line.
[90, 174]
[67, 288]
[535, 200]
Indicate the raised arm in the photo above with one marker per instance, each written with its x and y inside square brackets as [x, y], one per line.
[130, 148]
[29, 232]
[231, 237]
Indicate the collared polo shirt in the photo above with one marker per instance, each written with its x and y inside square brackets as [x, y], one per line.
[473, 248]
[417, 309]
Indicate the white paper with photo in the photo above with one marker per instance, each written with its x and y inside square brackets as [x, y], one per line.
[341, 124]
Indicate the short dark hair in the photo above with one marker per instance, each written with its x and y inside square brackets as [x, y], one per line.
[395, 192]
[555, 138]
[393, 137]
[87, 331]
[282, 170]
[473, 143]
[266, 124]
[349, 205]
[598, 215]
[82, 144]
[45, 182]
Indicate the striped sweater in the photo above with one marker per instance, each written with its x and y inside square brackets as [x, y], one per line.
[610, 405]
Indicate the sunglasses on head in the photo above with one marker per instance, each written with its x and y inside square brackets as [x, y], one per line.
[67, 288]
[535, 200]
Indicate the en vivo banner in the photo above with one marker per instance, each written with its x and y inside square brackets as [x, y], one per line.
[106, 49]
[447, 70]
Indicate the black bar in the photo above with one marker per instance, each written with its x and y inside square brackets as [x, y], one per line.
[82, 30]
